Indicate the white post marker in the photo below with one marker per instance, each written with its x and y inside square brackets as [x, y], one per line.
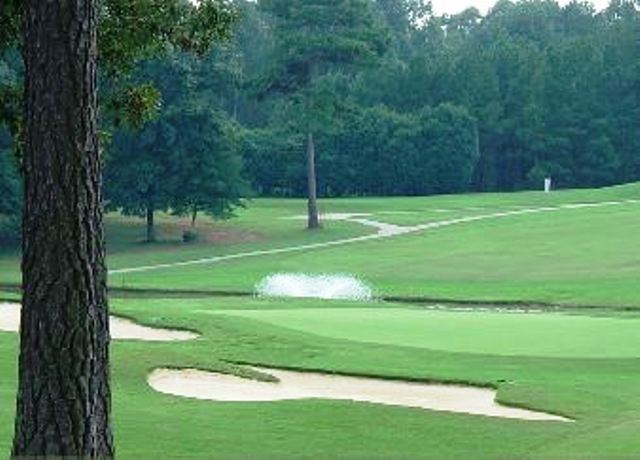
[547, 184]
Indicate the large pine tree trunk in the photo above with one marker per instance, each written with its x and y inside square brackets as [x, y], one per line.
[64, 400]
[313, 213]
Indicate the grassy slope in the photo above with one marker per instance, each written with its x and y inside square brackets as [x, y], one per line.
[260, 226]
[574, 256]
[579, 256]
[601, 394]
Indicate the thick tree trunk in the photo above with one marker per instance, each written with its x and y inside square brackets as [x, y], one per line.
[151, 226]
[313, 213]
[64, 397]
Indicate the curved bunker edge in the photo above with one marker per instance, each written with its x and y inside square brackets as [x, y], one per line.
[294, 385]
[121, 328]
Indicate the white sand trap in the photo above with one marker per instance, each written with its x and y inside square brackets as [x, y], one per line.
[314, 286]
[121, 329]
[191, 383]
[124, 329]
[9, 317]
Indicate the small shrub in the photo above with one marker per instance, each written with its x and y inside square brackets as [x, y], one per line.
[189, 236]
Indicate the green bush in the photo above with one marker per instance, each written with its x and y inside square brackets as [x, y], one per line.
[190, 236]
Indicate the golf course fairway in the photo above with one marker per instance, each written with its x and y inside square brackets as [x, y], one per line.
[562, 338]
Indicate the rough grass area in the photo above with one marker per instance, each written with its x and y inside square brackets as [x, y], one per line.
[601, 394]
[261, 226]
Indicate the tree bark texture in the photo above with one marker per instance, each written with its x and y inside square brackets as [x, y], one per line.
[313, 213]
[64, 397]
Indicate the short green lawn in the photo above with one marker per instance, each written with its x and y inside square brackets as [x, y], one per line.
[418, 210]
[550, 257]
[601, 394]
[491, 333]
[574, 256]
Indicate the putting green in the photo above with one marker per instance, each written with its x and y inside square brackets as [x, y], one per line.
[506, 334]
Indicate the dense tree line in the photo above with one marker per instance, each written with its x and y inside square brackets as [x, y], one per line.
[532, 90]
[10, 109]
[394, 101]
[372, 151]
[554, 91]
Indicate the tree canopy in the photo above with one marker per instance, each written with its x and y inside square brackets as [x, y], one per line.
[185, 162]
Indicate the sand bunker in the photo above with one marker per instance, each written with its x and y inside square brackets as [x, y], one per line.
[124, 329]
[121, 329]
[197, 384]
[314, 286]
[9, 317]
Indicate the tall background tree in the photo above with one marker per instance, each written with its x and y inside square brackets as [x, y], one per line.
[316, 41]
